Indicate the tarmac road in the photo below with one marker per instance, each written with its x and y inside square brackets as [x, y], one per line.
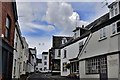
[47, 76]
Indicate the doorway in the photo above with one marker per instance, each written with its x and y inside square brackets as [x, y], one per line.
[103, 68]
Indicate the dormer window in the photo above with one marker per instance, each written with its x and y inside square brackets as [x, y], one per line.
[64, 40]
[114, 9]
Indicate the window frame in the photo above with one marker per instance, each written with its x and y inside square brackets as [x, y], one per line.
[45, 57]
[45, 63]
[102, 34]
[14, 72]
[59, 53]
[7, 27]
[102, 60]
[64, 67]
[81, 44]
[116, 28]
[114, 10]
[65, 53]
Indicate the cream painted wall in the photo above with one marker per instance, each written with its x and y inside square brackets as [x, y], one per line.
[47, 66]
[17, 54]
[113, 65]
[24, 57]
[97, 47]
[72, 52]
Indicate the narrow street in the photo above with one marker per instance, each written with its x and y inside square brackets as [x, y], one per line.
[41, 76]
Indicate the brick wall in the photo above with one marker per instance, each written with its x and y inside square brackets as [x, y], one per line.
[0, 18]
[7, 9]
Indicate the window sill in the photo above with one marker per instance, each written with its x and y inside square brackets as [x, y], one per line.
[91, 73]
[102, 39]
[115, 34]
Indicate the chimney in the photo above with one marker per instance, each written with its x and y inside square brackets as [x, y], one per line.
[82, 26]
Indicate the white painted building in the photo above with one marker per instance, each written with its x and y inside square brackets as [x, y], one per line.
[70, 50]
[18, 46]
[55, 53]
[39, 65]
[24, 57]
[100, 56]
[45, 62]
[32, 60]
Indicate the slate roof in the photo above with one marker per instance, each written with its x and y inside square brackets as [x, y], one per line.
[44, 53]
[94, 26]
[57, 41]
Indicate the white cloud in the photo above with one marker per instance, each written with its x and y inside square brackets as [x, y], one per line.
[41, 27]
[61, 14]
[30, 11]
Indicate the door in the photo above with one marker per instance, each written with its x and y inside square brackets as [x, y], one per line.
[119, 67]
[103, 68]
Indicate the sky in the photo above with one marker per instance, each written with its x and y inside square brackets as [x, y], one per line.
[40, 20]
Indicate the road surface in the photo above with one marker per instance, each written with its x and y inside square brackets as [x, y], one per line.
[41, 76]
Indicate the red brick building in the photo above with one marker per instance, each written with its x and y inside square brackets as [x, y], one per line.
[8, 18]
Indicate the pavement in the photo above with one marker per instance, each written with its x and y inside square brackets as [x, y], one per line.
[47, 76]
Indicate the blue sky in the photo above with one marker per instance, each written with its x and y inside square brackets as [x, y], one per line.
[39, 21]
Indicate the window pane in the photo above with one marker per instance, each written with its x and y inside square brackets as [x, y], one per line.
[116, 11]
[112, 12]
[64, 53]
[100, 33]
[113, 29]
[59, 53]
[7, 22]
[7, 25]
[45, 57]
[118, 26]
[104, 33]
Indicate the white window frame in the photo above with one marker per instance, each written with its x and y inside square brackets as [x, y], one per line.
[114, 10]
[59, 52]
[113, 28]
[65, 53]
[103, 33]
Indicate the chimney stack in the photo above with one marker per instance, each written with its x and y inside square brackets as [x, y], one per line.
[82, 26]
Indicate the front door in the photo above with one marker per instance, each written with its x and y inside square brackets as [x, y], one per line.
[103, 68]
[119, 66]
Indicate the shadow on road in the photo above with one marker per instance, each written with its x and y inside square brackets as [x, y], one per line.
[41, 76]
